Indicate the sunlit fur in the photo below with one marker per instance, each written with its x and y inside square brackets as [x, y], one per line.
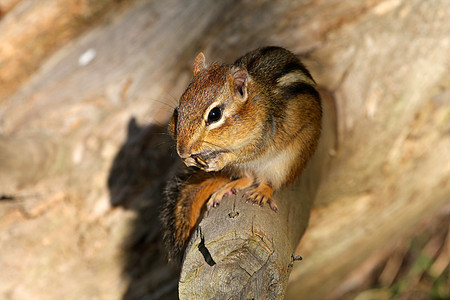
[256, 139]
[270, 127]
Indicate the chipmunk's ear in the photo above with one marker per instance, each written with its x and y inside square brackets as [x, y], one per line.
[238, 79]
[199, 63]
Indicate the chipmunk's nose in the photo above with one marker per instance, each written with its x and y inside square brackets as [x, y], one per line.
[185, 153]
[183, 150]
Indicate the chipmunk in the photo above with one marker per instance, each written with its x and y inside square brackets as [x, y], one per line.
[253, 124]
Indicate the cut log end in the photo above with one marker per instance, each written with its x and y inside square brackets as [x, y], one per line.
[243, 250]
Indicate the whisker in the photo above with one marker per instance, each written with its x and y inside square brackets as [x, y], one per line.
[169, 102]
[160, 133]
[170, 97]
[160, 144]
[174, 147]
[169, 105]
[150, 120]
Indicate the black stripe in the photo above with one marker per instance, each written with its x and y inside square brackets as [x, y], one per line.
[250, 65]
[268, 49]
[290, 67]
[298, 88]
[273, 126]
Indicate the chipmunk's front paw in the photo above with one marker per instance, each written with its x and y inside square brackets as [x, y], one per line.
[217, 196]
[228, 189]
[262, 194]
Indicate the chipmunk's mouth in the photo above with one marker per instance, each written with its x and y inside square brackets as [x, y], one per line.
[202, 157]
[206, 160]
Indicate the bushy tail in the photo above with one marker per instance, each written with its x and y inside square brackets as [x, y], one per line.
[184, 204]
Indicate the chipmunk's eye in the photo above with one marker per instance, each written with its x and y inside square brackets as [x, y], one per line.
[214, 114]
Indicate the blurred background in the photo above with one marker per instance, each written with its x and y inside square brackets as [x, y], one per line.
[86, 88]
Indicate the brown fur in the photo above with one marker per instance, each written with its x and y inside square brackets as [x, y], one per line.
[185, 198]
[269, 128]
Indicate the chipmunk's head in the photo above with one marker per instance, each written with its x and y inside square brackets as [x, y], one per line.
[211, 121]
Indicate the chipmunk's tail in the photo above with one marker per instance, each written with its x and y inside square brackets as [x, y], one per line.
[184, 204]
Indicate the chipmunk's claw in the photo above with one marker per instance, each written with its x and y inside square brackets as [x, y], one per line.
[228, 189]
[262, 194]
[272, 205]
[216, 197]
[213, 202]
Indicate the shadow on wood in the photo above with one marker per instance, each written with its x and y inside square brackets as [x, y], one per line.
[136, 182]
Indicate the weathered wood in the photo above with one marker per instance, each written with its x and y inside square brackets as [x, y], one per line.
[32, 30]
[7, 5]
[241, 251]
[392, 164]
[41, 156]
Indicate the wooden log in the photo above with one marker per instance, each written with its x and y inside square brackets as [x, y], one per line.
[32, 30]
[7, 5]
[244, 251]
[31, 159]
